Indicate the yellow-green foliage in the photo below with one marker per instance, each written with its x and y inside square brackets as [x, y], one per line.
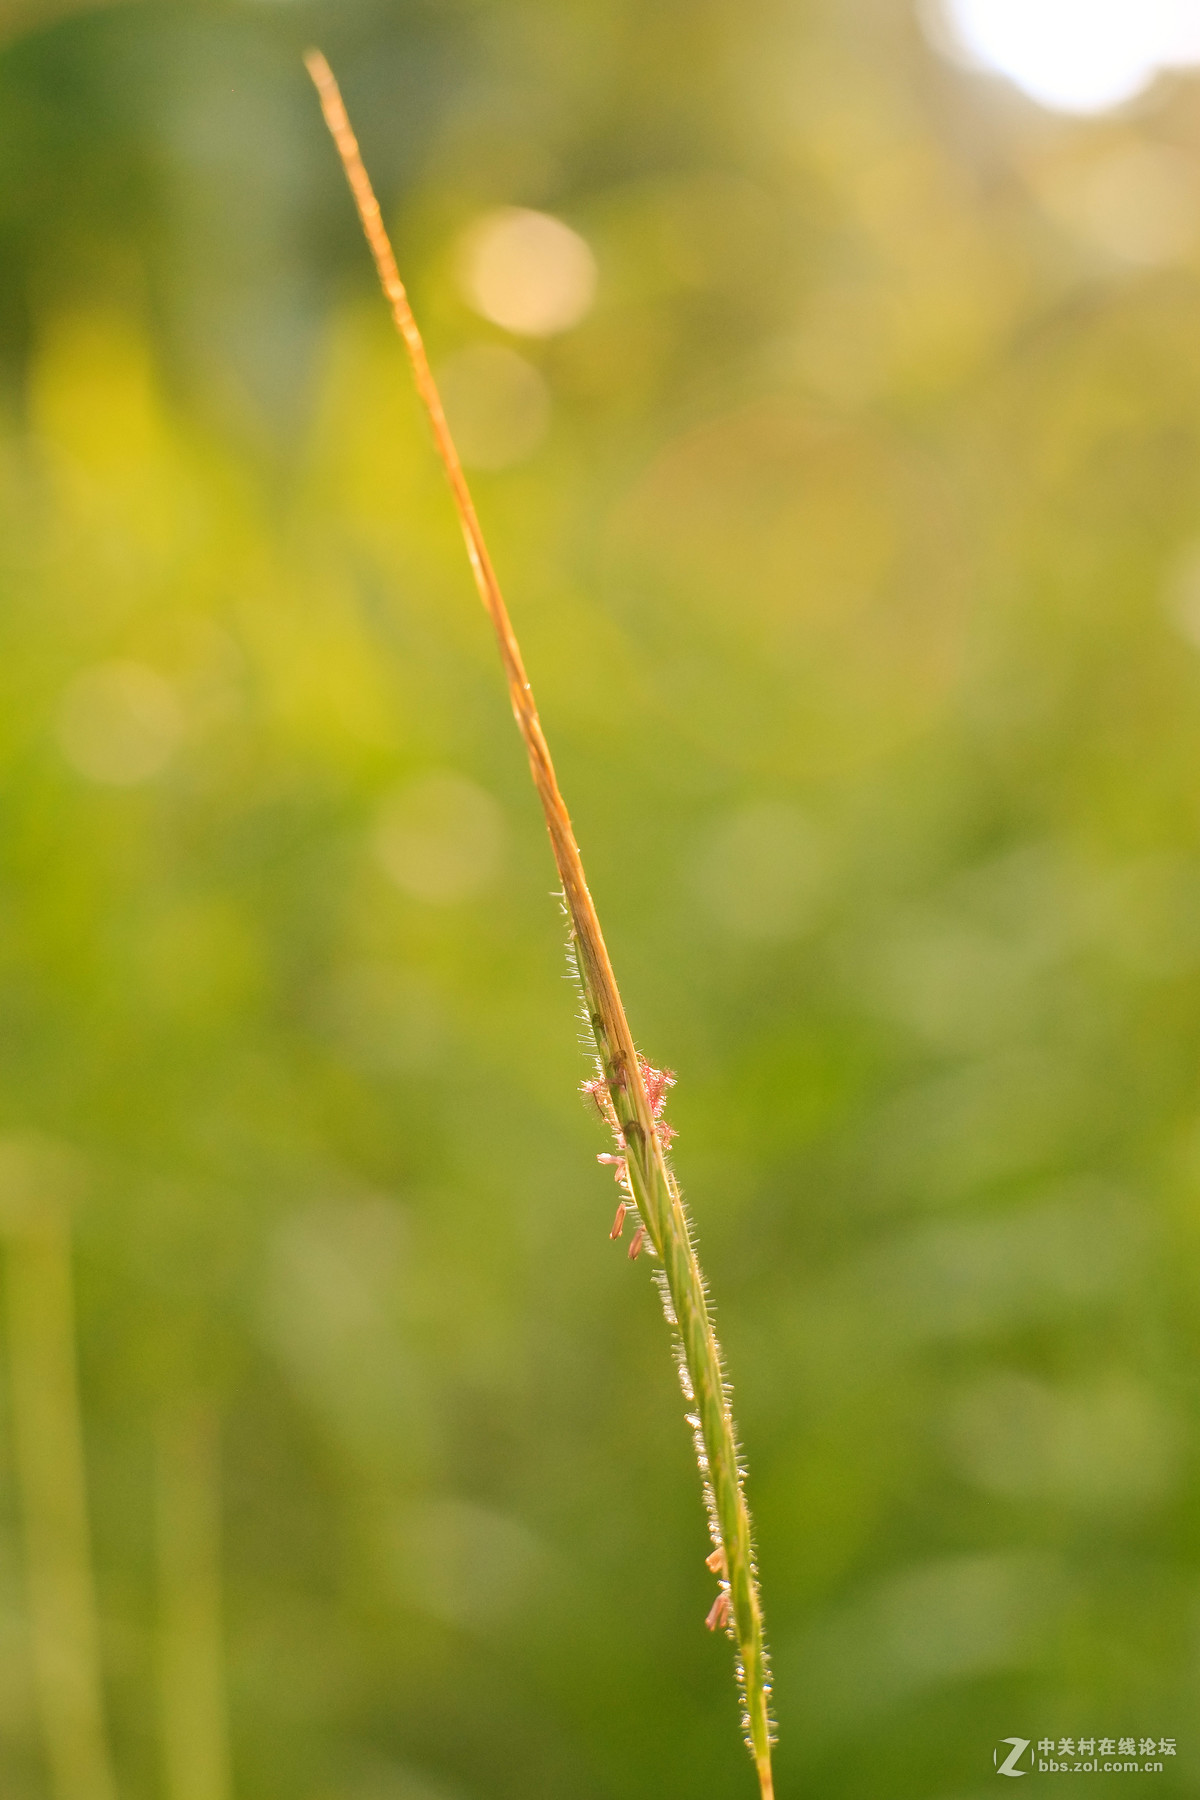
[857, 577]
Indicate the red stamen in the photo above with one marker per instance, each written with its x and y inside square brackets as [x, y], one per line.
[657, 1082]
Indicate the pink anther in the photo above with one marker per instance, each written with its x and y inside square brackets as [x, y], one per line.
[718, 1616]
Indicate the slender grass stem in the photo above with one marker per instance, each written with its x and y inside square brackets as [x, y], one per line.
[48, 1441]
[623, 1085]
[191, 1652]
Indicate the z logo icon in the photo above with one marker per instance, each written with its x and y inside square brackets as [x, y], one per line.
[1019, 1747]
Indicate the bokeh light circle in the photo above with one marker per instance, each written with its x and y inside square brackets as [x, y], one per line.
[527, 272]
[1077, 56]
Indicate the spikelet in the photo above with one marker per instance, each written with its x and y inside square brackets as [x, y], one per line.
[628, 1092]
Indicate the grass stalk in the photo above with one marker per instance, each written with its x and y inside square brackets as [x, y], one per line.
[628, 1091]
[191, 1651]
[35, 1181]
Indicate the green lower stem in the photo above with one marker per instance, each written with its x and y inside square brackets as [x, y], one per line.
[686, 1305]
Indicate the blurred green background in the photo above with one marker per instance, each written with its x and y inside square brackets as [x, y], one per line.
[846, 490]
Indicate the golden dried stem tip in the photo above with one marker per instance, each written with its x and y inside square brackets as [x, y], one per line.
[626, 1102]
[562, 838]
